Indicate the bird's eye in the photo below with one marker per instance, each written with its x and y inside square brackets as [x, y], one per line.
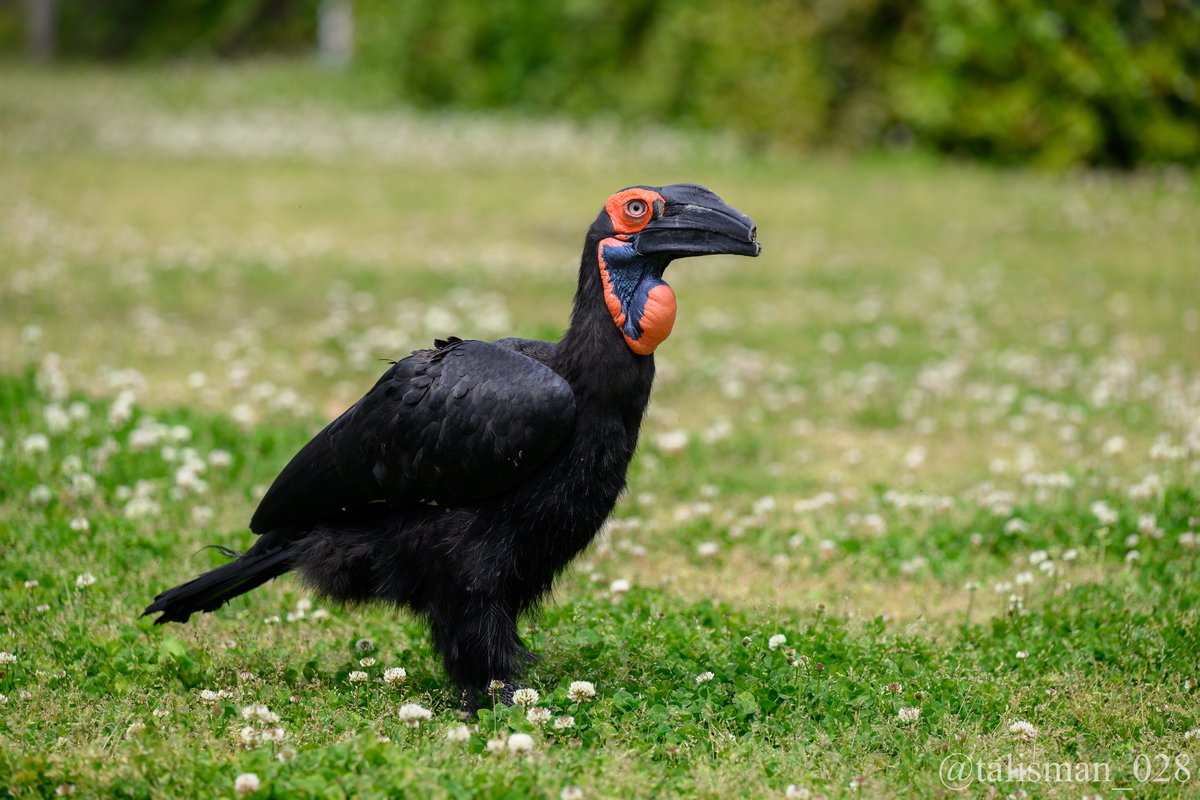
[636, 208]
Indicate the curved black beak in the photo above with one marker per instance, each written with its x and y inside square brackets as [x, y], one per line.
[695, 222]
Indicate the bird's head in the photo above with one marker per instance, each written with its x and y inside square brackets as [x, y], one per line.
[641, 230]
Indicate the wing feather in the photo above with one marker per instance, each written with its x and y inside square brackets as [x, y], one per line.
[455, 425]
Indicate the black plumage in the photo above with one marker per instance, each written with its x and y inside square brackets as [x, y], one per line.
[473, 472]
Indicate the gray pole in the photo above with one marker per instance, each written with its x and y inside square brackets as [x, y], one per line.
[39, 24]
[335, 32]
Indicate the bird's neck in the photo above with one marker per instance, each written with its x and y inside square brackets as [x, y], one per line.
[593, 355]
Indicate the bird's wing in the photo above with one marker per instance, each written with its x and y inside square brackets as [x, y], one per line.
[453, 426]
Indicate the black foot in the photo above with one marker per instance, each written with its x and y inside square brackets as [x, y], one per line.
[498, 692]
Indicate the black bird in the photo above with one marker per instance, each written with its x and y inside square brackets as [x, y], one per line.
[472, 473]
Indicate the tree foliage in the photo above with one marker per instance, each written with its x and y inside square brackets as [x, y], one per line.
[1110, 82]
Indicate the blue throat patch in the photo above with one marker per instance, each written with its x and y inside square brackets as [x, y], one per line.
[632, 277]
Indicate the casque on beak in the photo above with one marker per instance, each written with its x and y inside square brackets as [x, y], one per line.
[695, 222]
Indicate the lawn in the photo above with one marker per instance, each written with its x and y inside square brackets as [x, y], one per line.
[918, 487]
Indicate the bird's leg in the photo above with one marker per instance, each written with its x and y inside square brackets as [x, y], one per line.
[480, 647]
[497, 691]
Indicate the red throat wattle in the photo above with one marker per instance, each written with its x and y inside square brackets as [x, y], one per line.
[655, 317]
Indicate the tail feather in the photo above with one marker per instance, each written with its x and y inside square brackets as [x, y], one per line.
[213, 589]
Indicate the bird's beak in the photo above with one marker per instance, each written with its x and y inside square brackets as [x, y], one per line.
[695, 222]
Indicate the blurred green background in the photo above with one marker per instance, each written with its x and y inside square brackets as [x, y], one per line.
[944, 434]
[1112, 82]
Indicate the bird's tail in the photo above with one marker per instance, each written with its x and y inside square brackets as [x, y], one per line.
[213, 589]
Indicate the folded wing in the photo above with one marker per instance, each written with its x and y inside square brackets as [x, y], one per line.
[453, 426]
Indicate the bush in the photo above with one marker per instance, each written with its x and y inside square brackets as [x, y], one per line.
[135, 29]
[1108, 82]
[1101, 83]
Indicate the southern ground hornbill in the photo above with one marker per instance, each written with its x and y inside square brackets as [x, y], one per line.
[472, 473]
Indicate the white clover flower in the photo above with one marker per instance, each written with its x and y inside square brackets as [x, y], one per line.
[394, 676]
[274, 735]
[247, 783]
[319, 614]
[80, 524]
[1104, 513]
[35, 443]
[1022, 654]
[159, 713]
[249, 737]
[459, 734]
[1024, 579]
[671, 442]
[7, 658]
[777, 641]
[910, 714]
[40, 495]
[31, 583]
[1016, 525]
[564, 722]
[85, 580]
[1193, 733]
[42, 608]
[874, 524]
[795, 792]
[520, 744]
[260, 713]
[83, 484]
[209, 696]
[188, 479]
[1024, 730]
[413, 715]
[366, 662]
[580, 691]
[286, 754]
[4, 702]
[538, 715]
[495, 745]
[271, 620]
[219, 459]
[526, 698]
[571, 793]
[364, 645]
[619, 586]
[357, 676]
[704, 677]
[304, 604]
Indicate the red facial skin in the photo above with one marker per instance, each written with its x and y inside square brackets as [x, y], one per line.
[658, 313]
[618, 210]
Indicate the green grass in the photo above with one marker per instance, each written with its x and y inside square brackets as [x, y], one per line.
[959, 362]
